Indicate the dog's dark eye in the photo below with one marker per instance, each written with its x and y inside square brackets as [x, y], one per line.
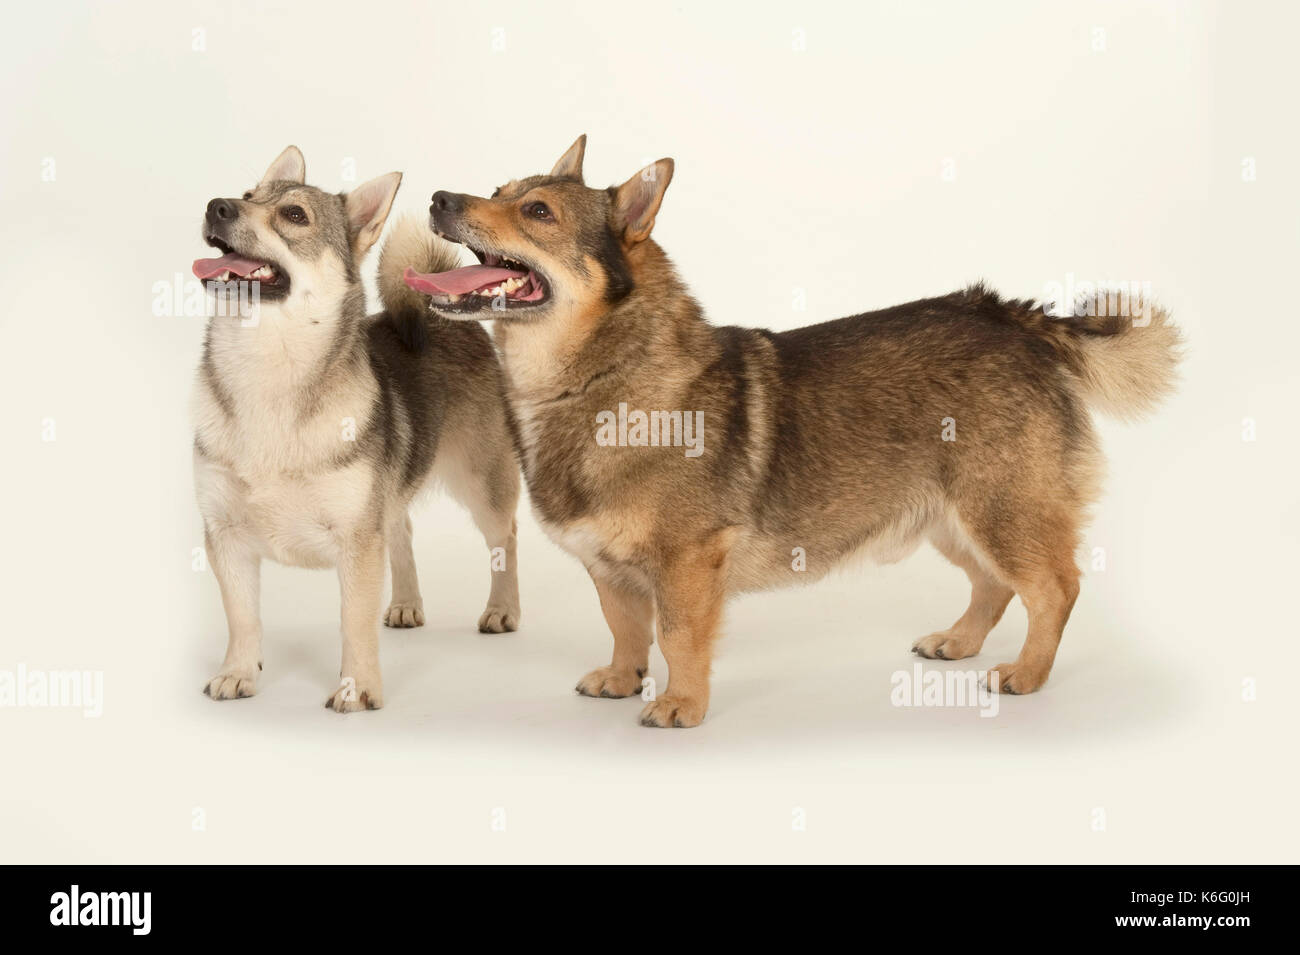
[538, 210]
[248, 195]
[294, 214]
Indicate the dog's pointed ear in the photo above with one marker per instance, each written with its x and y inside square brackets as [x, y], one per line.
[289, 166]
[637, 201]
[367, 207]
[570, 164]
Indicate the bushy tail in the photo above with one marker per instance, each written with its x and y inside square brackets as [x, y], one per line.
[411, 243]
[1124, 352]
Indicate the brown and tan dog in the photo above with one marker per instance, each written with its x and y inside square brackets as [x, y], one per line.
[683, 462]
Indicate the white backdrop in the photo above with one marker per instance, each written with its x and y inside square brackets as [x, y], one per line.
[846, 156]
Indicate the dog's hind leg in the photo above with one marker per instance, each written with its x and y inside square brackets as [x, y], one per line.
[406, 608]
[1030, 541]
[491, 492]
[1048, 591]
[238, 571]
[502, 614]
[631, 618]
[988, 600]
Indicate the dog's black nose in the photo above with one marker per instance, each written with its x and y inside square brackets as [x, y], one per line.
[221, 210]
[447, 203]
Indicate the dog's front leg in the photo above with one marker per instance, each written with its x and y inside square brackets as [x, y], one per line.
[361, 582]
[690, 594]
[631, 618]
[237, 567]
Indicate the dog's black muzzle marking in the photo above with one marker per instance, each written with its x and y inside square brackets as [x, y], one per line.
[222, 211]
[446, 209]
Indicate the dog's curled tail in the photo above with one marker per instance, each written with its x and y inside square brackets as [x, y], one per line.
[1120, 347]
[411, 244]
[1124, 352]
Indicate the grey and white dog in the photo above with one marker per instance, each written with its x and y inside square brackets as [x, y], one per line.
[316, 425]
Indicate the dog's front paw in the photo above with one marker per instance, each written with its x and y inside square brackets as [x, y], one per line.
[403, 615]
[499, 620]
[353, 695]
[673, 711]
[610, 683]
[947, 645]
[233, 684]
[1016, 678]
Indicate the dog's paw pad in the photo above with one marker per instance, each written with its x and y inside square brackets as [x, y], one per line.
[498, 620]
[1014, 678]
[672, 711]
[236, 685]
[946, 646]
[404, 615]
[350, 698]
[610, 683]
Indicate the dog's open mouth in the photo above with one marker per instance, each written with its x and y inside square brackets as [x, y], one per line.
[233, 267]
[499, 283]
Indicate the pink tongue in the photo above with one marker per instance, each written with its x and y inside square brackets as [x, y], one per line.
[207, 268]
[458, 281]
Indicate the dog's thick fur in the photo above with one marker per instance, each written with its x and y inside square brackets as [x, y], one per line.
[317, 425]
[961, 419]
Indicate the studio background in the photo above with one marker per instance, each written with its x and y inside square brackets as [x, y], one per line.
[838, 157]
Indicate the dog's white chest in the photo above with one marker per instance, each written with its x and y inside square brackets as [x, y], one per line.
[295, 519]
[295, 486]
